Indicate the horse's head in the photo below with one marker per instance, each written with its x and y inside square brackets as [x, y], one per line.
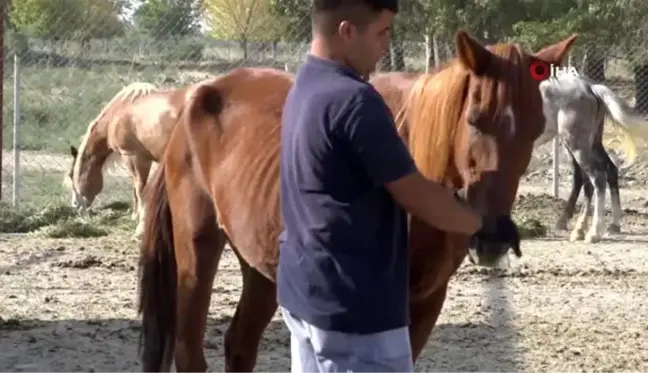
[85, 176]
[473, 124]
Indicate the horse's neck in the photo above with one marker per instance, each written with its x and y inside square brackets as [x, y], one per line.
[99, 133]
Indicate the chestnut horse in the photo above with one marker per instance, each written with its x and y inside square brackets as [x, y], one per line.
[219, 182]
[135, 126]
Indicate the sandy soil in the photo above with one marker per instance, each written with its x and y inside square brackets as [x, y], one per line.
[69, 305]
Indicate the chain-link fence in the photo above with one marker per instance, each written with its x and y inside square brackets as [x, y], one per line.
[54, 87]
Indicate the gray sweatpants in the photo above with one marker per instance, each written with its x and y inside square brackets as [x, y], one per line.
[316, 350]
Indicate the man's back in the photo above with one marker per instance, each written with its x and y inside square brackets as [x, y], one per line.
[343, 253]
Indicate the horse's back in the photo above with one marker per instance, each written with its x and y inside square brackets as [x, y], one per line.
[152, 118]
[234, 124]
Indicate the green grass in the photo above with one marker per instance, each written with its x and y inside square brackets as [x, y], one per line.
[40, 188]
[57, 104]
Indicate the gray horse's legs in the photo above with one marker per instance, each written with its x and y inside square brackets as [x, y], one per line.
[578, 178]
[612, 173]
[581, 180]
[594, 167]
[578, 233]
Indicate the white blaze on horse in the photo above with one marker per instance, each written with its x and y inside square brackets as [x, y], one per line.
[134, 127]
[576, 109]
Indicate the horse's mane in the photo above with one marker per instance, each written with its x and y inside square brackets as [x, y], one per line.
[436, 102]
[128, 93]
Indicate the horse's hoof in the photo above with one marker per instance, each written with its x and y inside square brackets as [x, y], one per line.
[577, 235]
[592, 238]
[614, 229]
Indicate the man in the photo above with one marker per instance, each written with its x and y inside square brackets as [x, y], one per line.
[343, 265]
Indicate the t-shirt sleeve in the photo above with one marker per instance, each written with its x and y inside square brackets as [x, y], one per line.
[370, 133]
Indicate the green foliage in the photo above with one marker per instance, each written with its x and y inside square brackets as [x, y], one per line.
[563, 19]
[44, 18]
[163, 19]
[67, 19]
[296, 17]
[243, 20]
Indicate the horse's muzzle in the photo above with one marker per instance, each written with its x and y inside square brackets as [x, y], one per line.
[488, 254]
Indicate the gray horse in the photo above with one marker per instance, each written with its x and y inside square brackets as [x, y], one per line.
[575, 109]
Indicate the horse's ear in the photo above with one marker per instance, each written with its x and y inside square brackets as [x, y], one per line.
[205, 100]
[556, 53]
[471, 53]
[73, 151]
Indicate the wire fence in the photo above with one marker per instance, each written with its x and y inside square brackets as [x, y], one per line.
[53, 89]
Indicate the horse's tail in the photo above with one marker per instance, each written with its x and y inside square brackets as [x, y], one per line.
[633, 127]
[157, 279]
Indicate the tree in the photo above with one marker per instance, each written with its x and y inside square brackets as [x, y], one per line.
[101, 19]
[243, 21]
[296, 17]
[163, 19]
[47, 19]
[67, 19]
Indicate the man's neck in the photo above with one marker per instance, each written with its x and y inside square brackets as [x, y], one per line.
[323, 49]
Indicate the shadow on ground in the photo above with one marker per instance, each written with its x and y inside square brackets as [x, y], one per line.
[111, 345]
[489, 345]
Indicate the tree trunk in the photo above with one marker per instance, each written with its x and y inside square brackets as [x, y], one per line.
[429, 52]
[244, 47]
[398, 55]
[275, 45]
[641, 87]
[432, 52]
[385, 62]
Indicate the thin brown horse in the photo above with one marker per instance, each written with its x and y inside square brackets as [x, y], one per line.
[135, 126]
[219, 181]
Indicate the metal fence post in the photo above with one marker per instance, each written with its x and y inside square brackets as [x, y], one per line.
[16, 130]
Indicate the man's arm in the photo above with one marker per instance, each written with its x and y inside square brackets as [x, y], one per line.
[372, 136]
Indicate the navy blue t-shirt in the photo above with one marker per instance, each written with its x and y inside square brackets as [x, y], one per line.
[343, 262]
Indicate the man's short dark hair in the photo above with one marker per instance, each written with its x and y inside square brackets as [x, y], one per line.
[327, 14]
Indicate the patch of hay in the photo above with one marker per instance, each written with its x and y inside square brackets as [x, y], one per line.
[73, 229]
[63, 221]
[532, 228]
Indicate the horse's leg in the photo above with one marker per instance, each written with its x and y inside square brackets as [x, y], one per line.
[142, 169]
[595, 170]
[256, 306]
[134, 204]
[584, 160]
[129, 161]
[423, 316]
[612, 173]
[199, 245]
[578, 177]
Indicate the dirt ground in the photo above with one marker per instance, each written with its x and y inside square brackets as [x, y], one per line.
[70, 305]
